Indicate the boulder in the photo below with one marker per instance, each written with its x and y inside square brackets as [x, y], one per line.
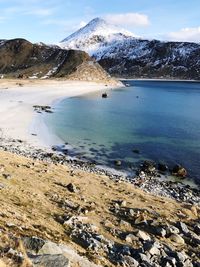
[179, 171]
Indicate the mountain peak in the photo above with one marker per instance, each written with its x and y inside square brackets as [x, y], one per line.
[96, 27]
[97, 21]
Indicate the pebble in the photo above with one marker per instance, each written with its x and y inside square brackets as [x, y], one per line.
[177, 239]
[72, 188]
[142, 235]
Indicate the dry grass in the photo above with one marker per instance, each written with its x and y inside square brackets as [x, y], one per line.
[36, 192]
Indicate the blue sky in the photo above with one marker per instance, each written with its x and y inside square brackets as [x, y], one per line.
[50, 21]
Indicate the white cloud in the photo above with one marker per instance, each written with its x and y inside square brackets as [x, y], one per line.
[128, 19]
[185, 34]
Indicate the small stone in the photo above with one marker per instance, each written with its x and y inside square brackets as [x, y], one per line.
[2, 186]
[168, 261]
[130, 238]
[122, 203]
[142, 235]
[142, 175]
[140, 219]
[118, 163]
[129, 261]
[183, 227]
[160, 231]
[172, 229]
[72, 188]
[197, 229]
[6, 176]
[152, 248]
[177, 239]
[131, 212]
[124, 223]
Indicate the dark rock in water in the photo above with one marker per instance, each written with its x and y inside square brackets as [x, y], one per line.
[118, 162]
[162, 167]
[104, 95]
[50, 260]
[148, 167]
[179, 171]
[136, 151]
[72, 188]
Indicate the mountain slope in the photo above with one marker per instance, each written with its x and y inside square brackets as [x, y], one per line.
[95, 35]
[20, 58]
[123, 55]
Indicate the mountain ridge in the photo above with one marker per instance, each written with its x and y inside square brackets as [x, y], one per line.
[20, 58]
[124, 55]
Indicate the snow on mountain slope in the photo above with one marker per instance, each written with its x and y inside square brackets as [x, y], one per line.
[124, 55]
[97, 34]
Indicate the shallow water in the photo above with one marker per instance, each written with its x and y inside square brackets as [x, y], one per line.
[160, 119]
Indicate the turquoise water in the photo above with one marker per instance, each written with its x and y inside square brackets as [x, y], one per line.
[160, 119]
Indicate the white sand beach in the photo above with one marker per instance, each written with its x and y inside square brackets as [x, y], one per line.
[17, 98]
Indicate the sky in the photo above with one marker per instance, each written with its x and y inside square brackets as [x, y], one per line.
[50, 21]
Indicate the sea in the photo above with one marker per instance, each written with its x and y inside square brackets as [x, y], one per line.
[146, 120]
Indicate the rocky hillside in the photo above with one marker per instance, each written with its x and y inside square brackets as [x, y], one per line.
[22, 59]
[54, 214]
[123, 55]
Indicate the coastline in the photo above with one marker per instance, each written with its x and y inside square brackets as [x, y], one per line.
[27, 135]
[71, 211]
[157, 80]
[17, 117]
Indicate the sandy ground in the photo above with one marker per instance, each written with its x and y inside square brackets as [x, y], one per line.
[17, 97]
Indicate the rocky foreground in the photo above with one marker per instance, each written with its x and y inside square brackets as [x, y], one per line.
[59, 213]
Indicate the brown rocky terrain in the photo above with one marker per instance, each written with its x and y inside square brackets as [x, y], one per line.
[21, 59]
[56, 215]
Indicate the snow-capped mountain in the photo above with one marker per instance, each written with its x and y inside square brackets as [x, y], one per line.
[96, 35]
[124, 55]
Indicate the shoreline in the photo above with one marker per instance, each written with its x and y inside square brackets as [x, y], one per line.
[18, 119]
[150, 183]
[157, 80]
[31, 139]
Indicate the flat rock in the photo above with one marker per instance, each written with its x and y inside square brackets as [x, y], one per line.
[50, 260]
[142, 235]
[177, 239]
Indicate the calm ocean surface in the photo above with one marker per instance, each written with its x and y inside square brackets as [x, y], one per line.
[161, 119]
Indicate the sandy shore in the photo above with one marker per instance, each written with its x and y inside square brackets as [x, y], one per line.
[17, 98]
